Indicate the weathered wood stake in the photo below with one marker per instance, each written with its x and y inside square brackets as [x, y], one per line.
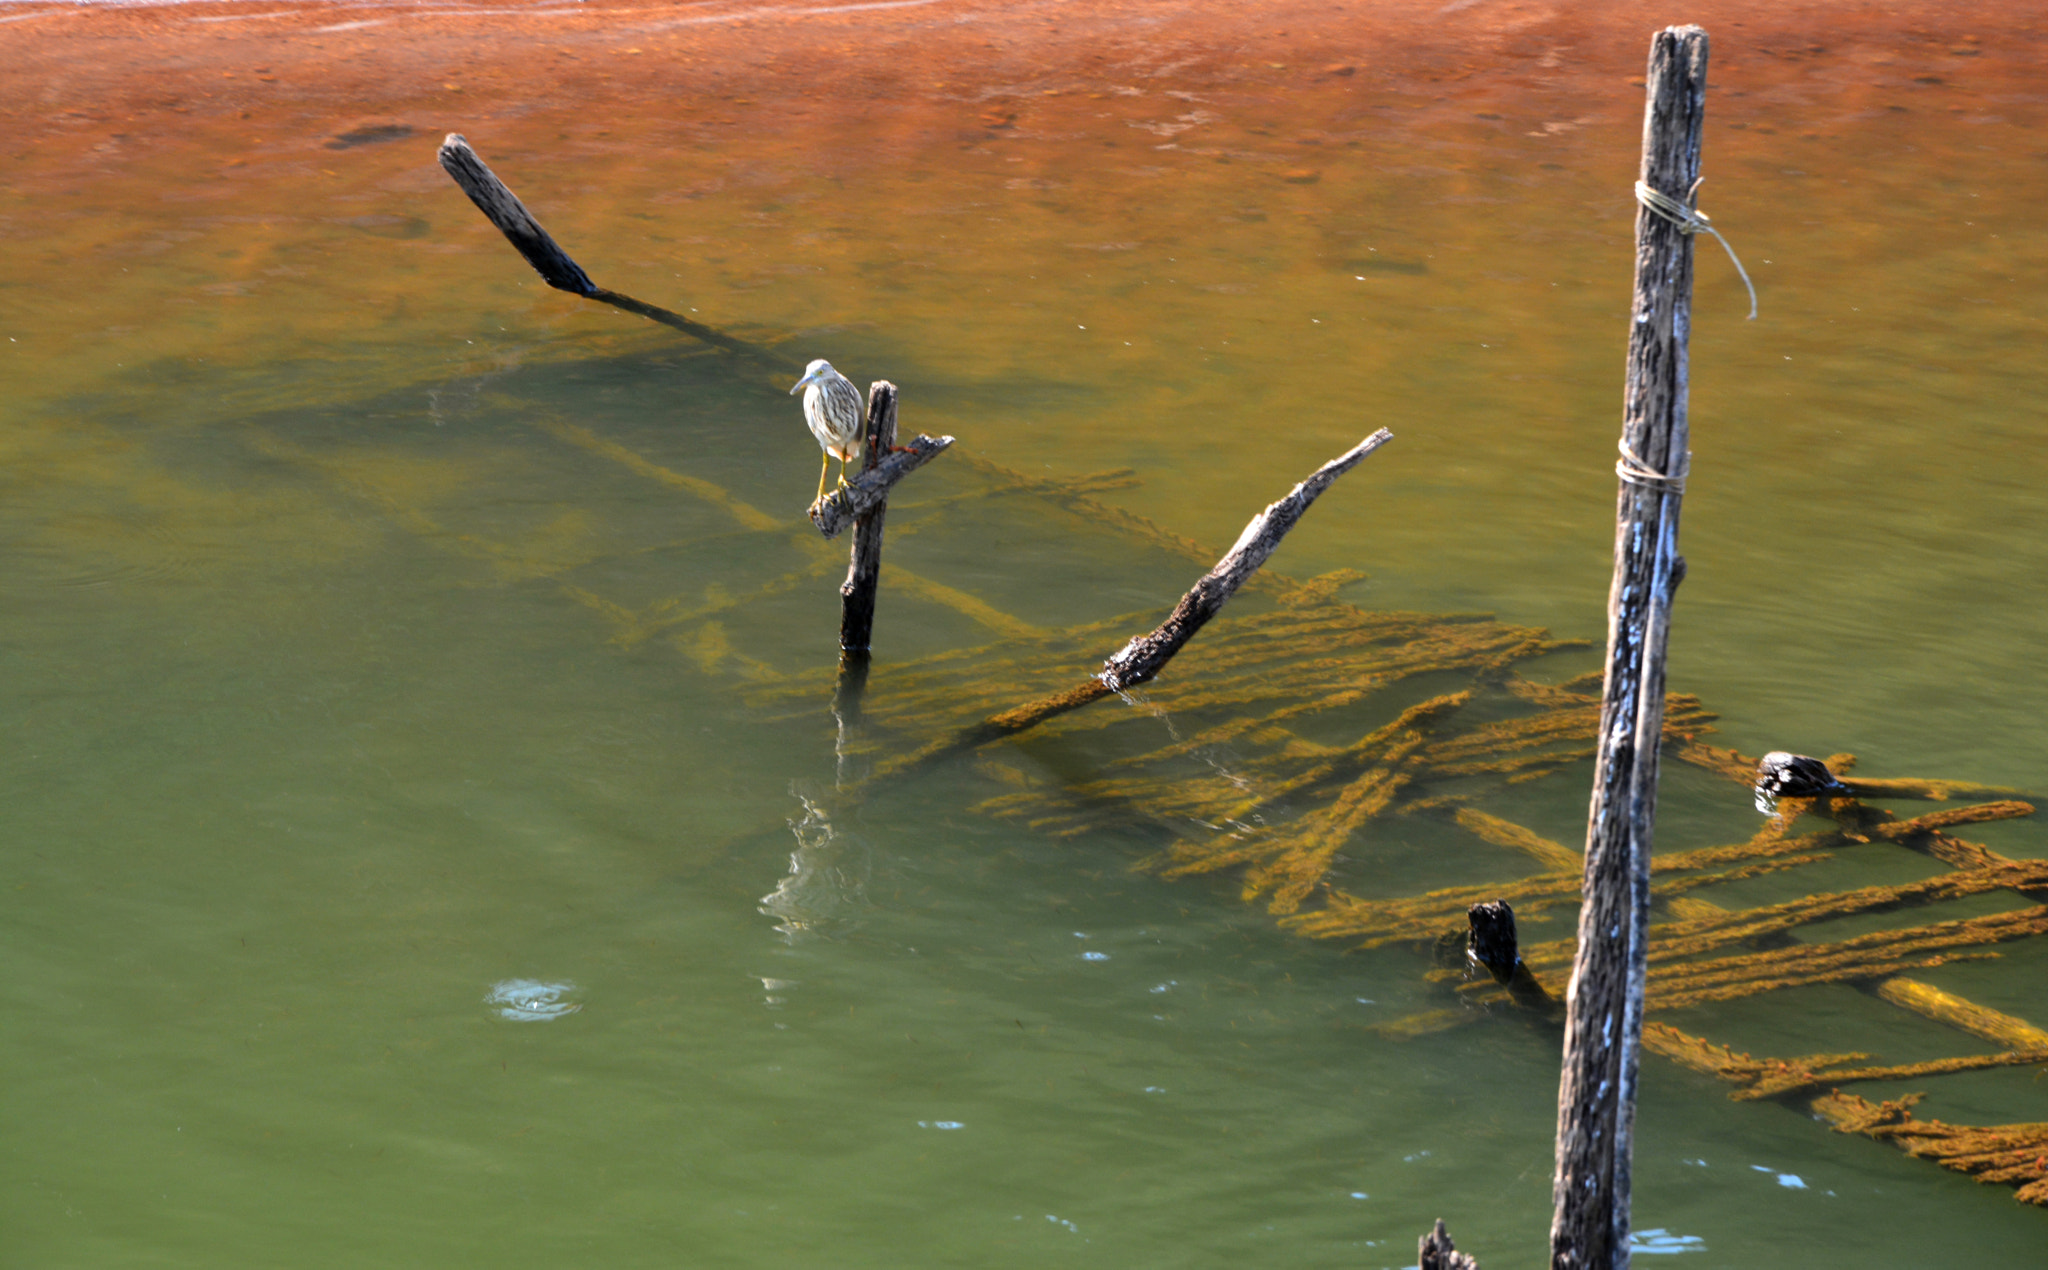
[1604, 1005]
[864, 568]
[502, 207]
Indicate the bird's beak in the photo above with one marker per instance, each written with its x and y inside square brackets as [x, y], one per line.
[799, 385]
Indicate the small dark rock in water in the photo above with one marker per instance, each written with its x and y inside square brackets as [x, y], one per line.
[1783, 775]
[370, 135]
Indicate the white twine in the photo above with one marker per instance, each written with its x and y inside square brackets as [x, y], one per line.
[1690, 220]
[1631, 468]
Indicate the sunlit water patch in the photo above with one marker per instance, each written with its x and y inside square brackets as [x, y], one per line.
[1660, 1242]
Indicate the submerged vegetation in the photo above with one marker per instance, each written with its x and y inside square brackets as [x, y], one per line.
[1247, 778]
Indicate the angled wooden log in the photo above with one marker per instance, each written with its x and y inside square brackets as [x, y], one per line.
[1144, 657]
[1604, 1004]
[502, 208]
[869, 490]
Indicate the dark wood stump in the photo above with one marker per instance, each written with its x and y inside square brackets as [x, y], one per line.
[864, 568]
[1492, 944]
[1492, 941]
[1436, 1252]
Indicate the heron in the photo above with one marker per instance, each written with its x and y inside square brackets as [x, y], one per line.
[833, 409]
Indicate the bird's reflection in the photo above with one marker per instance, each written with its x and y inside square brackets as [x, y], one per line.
[849, 754]
[825, 889]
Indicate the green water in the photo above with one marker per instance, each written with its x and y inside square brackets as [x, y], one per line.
[321, 725]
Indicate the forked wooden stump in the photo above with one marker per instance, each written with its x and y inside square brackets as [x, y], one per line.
[1436, 1252]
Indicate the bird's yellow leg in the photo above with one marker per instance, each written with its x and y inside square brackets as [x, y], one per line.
[824, 466]
[842, 472]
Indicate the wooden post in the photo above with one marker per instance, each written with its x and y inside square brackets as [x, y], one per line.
[864, 569]
[1604, 1005]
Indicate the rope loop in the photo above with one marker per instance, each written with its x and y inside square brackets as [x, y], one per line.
[1690, 220]
[1633, 471]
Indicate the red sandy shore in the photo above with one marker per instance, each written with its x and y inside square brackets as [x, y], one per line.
[132, 132]
[617, 57]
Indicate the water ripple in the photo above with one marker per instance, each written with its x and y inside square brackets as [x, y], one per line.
[531, 1001]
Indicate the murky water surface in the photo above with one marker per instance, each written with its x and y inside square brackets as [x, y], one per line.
[397, 874]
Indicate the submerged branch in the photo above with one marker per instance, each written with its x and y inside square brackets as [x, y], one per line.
[1144, 657]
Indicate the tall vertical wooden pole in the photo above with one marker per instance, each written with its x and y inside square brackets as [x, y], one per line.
[857, 593]
[864, 570]
[1604, 1006]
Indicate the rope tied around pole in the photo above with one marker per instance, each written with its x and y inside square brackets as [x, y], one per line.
[1691, 220]
[1633, 471]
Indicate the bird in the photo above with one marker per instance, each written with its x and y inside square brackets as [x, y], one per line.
[833, 409]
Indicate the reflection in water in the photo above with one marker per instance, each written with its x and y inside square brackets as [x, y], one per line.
[826, 886]
[852, 759]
